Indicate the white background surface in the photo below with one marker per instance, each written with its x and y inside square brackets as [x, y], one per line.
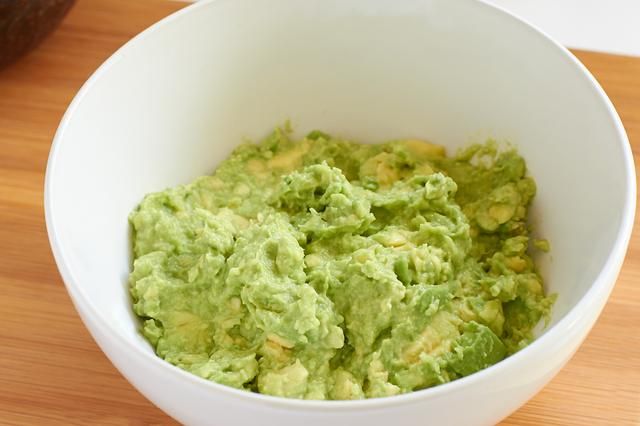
[603, 25]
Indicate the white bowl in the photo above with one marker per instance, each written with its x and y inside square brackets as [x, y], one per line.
[174, 101]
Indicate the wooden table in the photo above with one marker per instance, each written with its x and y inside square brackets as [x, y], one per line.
[51, 371]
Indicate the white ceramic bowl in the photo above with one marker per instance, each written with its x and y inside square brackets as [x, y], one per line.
[174, 101]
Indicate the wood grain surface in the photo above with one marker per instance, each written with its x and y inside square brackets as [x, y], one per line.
[51, 371]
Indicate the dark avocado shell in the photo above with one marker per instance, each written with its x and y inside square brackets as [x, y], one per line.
[25, 23]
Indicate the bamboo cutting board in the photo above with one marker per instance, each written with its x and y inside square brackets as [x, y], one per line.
[51, 371]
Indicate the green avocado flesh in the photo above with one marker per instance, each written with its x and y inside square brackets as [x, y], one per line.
[327, 269]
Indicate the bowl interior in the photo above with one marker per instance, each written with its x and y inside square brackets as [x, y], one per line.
[175, 101]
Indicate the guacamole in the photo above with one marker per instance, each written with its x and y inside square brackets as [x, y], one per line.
[327, 269]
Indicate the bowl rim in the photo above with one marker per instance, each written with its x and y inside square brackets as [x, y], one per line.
[600, 288]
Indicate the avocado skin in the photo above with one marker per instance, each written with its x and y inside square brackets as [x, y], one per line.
[25, 23]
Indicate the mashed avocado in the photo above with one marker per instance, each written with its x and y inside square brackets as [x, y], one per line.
[326, 269]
